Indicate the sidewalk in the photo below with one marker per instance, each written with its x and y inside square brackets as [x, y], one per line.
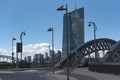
[98, 76]
[57, 76]
[60, 77]
[84, 72]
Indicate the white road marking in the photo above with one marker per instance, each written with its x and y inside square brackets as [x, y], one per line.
[59, 71]
[6, 72]
[30, 70]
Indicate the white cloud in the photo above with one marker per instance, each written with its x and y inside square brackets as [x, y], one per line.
[36, 48]
[3, 51]
[30, 49]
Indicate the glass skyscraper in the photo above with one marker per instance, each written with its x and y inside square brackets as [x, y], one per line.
[75, 30]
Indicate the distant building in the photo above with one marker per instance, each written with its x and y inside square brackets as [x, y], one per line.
[38, 58]
[51, 55]
[75, 30]
[46, 56]
[28, 59]
[58, 56]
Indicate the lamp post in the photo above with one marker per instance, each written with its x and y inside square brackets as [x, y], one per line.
[22, 34]
[12, 51]
[66, 9]
[51, 29]
[95, 29]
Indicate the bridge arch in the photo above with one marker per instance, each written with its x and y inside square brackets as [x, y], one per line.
[89, 47]
[5, 58]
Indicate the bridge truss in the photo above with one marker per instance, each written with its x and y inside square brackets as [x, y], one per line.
[88, 48]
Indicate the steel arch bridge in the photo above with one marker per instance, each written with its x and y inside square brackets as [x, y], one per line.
[5, 57]
[88, 48]
[113, 55]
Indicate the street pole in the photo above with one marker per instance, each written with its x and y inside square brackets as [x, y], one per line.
[53, 47]
[17, 60]
[95, 29]
[67, 54]
[23, 33]
[13, 52]
[67, 42]
[51, 29]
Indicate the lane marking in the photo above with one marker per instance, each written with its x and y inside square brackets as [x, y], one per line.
[6, 72]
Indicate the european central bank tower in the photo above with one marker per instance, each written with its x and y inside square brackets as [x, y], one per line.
[75, 31]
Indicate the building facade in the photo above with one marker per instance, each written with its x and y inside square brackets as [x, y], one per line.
[75, 30]
[38, 58]
[29, 59]
[57, 56]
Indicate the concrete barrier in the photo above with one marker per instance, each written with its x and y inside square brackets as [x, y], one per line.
[104, 68]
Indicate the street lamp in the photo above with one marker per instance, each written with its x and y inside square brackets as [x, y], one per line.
[22, 34]
[95, 29]
[51, 29]
[12, 51]
[66, 9]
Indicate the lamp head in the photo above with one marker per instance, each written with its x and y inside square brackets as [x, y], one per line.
[13, 38]
[24, 33]
[89, 24]
[50, 29]
[61, 8]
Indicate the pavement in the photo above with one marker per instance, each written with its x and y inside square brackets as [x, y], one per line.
[83, 74]
[75, 74]
[61, 77]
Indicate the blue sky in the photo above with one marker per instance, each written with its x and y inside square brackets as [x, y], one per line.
[36, 16]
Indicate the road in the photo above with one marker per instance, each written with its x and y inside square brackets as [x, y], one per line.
[43, 74]
[25, 75]
[77, 76]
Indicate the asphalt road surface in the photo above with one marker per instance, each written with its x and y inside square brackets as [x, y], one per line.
[42, 74]
[77, 76]
[25, 75]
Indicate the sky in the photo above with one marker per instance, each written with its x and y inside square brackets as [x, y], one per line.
[36, 16]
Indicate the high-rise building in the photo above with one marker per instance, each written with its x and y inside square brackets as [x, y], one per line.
[38, 58]
[28, 59]
[75, 30]
[57, 56]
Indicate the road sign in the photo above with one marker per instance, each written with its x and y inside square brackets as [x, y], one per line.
[19, 47]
